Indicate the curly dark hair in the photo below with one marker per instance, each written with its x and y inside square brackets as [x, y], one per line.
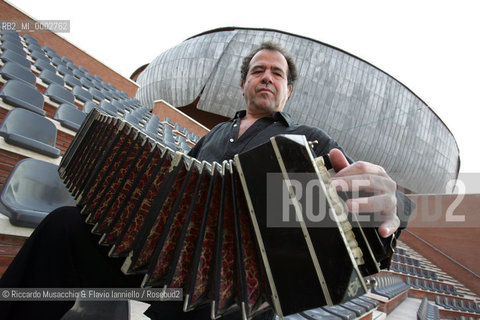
[292, 68]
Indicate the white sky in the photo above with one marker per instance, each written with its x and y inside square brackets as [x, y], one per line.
[432, 47]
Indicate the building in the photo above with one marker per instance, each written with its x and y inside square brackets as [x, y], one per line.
[374, 116]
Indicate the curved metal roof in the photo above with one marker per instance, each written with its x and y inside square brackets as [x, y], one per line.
[371, 114]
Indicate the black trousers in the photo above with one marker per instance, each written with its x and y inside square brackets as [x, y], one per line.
[62, 253]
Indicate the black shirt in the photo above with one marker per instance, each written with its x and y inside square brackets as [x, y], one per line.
[222, 142]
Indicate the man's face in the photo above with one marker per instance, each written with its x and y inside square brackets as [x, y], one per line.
[265, 88]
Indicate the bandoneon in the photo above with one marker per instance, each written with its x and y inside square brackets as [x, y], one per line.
[220, 230]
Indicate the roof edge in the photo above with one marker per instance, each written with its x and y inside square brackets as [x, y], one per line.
[233, 28]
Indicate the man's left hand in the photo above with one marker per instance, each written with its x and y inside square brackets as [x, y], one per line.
[368, 177]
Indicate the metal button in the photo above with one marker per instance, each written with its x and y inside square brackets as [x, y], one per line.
[235, 125]
[231, 140]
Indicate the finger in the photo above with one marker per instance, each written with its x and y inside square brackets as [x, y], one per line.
[361, 167]
[382, 210]
[366, 182]
[338, 160]
[385, 204]
[389, 227]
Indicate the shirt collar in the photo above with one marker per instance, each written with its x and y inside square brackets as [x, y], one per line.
[277, 116]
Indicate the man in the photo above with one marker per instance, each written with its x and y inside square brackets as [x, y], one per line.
[62, 253]
[267, 80]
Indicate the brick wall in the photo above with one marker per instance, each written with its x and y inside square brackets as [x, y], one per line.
[3, 114]
[435, 222]
[50, 110]
[9, 247]
[63, 141]
[8, 160]
[162, 109]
